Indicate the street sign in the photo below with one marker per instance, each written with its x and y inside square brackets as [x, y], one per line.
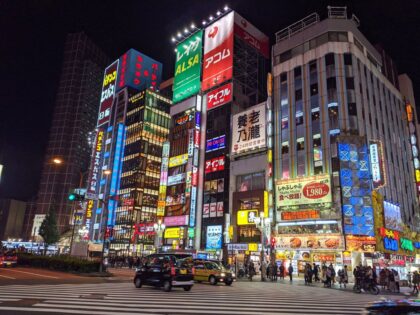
[91, 196]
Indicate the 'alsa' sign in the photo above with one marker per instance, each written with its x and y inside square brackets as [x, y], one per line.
[406, 244]
[390, 239]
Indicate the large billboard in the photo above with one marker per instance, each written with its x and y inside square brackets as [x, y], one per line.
[355, 180]
[214, 237]
[96, 164]
[218, 52]
[249, 130]
[303, 191]
[309, 242]
[138, 71]
[252, 36]
[392, 216]
[188, 67]
[220, 96]
[108, 92]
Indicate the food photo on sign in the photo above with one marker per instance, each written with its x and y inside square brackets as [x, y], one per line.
[309, 242]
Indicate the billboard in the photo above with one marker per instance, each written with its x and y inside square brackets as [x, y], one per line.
[188, 67]
[360, 243]
[138, 71]
[176, 220]
[214, 237]
[215, 164]
[377, 163]
[251, 35]
[37, 222]
[355, 180]
[178, 160]
[108, 92]
[392, 216]
[218, 52]
[249, 130]
[246, 217]
[220, 96]
[309, 242]
[96, 163]
[304, 191]
[216, 143]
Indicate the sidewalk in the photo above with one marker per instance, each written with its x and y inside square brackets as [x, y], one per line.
[404, 291]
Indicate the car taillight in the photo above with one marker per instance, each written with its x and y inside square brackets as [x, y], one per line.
[173, 271]
[193, 271]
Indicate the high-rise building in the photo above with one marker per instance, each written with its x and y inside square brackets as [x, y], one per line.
[123, 185]
[345, 182]
[74, 117]
[12, 213]
[231, 78]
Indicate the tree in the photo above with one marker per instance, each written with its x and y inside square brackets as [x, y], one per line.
[48, 230]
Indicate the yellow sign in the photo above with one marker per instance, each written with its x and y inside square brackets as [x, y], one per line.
[417, 176]
[230, 231]
[253, 247]
[265, 204]
[172, 233]
[246, 217]
[178, 160]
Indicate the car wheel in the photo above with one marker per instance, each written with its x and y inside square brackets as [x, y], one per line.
[138, 283]
[167, 286]
[213, 280]
[188, 288]
[228, 282]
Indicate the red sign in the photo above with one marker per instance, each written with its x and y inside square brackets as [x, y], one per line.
[389, 233]
[107, 95]
[300, 215]
[218, 52]
[143, 229]
[251, 35]
[197, 136]
[323, 257]
[128, 202]
[215, 164]
[219, 96]
[315, 190]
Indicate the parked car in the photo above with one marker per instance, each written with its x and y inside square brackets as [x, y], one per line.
[166, 271]
[394, 307]
[213, 272]
[8, 258]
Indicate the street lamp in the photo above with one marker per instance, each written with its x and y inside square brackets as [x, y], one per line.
[57, 160]
[159, 227]
[262, 223]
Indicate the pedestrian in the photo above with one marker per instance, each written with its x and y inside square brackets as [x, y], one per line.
[281, 271]
[268, 271]
[416, 281]
[331, 267]
[391, 281]
[324, 275]
[409, 279]
[343, 277]
[397, 280]
[275, 270]
[382, 278]
[251, 270]
[316, 273]
[307, 274]
[290, 270]
[328, 275]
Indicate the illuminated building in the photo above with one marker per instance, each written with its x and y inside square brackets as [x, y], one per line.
[74, 117]
[232, 79]
[124, 176]
[340, 134]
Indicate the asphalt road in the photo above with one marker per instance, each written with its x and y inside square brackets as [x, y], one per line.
[119, 296]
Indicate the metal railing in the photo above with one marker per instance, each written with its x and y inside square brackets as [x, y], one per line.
[297, 27]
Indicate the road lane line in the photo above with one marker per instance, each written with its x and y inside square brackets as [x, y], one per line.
[35, 274]
[7, 277]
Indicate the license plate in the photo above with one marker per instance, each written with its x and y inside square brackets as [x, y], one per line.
[183, 272]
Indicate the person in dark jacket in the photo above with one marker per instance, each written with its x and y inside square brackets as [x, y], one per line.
[290, 270]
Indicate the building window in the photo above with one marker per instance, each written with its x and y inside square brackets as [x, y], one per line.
[348, 60]
[285, 147]
[329, 59]
[333, 117]
[300, 144]
[253, 181]
[314, 89]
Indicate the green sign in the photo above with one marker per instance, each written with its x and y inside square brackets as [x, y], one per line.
[406, 244]
[188, 67]
[191, 232]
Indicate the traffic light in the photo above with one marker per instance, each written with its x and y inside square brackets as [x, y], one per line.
[76, 197]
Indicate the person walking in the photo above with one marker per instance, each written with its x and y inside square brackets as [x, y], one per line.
[328, 275]
[281, 271]
[397, 280]
[409, 279]
[290, 270]
[343, 277]
[275, 270]
[316, 273]
[331, 267]
[251, 270]
[416, 281]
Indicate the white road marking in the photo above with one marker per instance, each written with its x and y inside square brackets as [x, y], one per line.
[35, 274]
[7, 277]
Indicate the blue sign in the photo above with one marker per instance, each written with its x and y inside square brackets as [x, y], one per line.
[116, 172]
[214, 237]
[390, 244]
[193, 206]
[216, 143]
[416, 244]
[138, 71]
[355, 180]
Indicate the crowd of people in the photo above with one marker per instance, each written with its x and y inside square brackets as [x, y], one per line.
[125, 261]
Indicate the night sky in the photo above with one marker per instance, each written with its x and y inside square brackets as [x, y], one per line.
[32, 35]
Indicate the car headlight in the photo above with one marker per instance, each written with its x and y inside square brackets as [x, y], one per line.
[223, 274]
[233, 275]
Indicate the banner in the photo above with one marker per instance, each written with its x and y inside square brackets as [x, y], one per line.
[303, 191]
[107, 96]
[218, 52]
[249, 130]
[214, 237]
[187, 67]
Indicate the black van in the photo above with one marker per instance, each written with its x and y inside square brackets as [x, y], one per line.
[167, 271]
